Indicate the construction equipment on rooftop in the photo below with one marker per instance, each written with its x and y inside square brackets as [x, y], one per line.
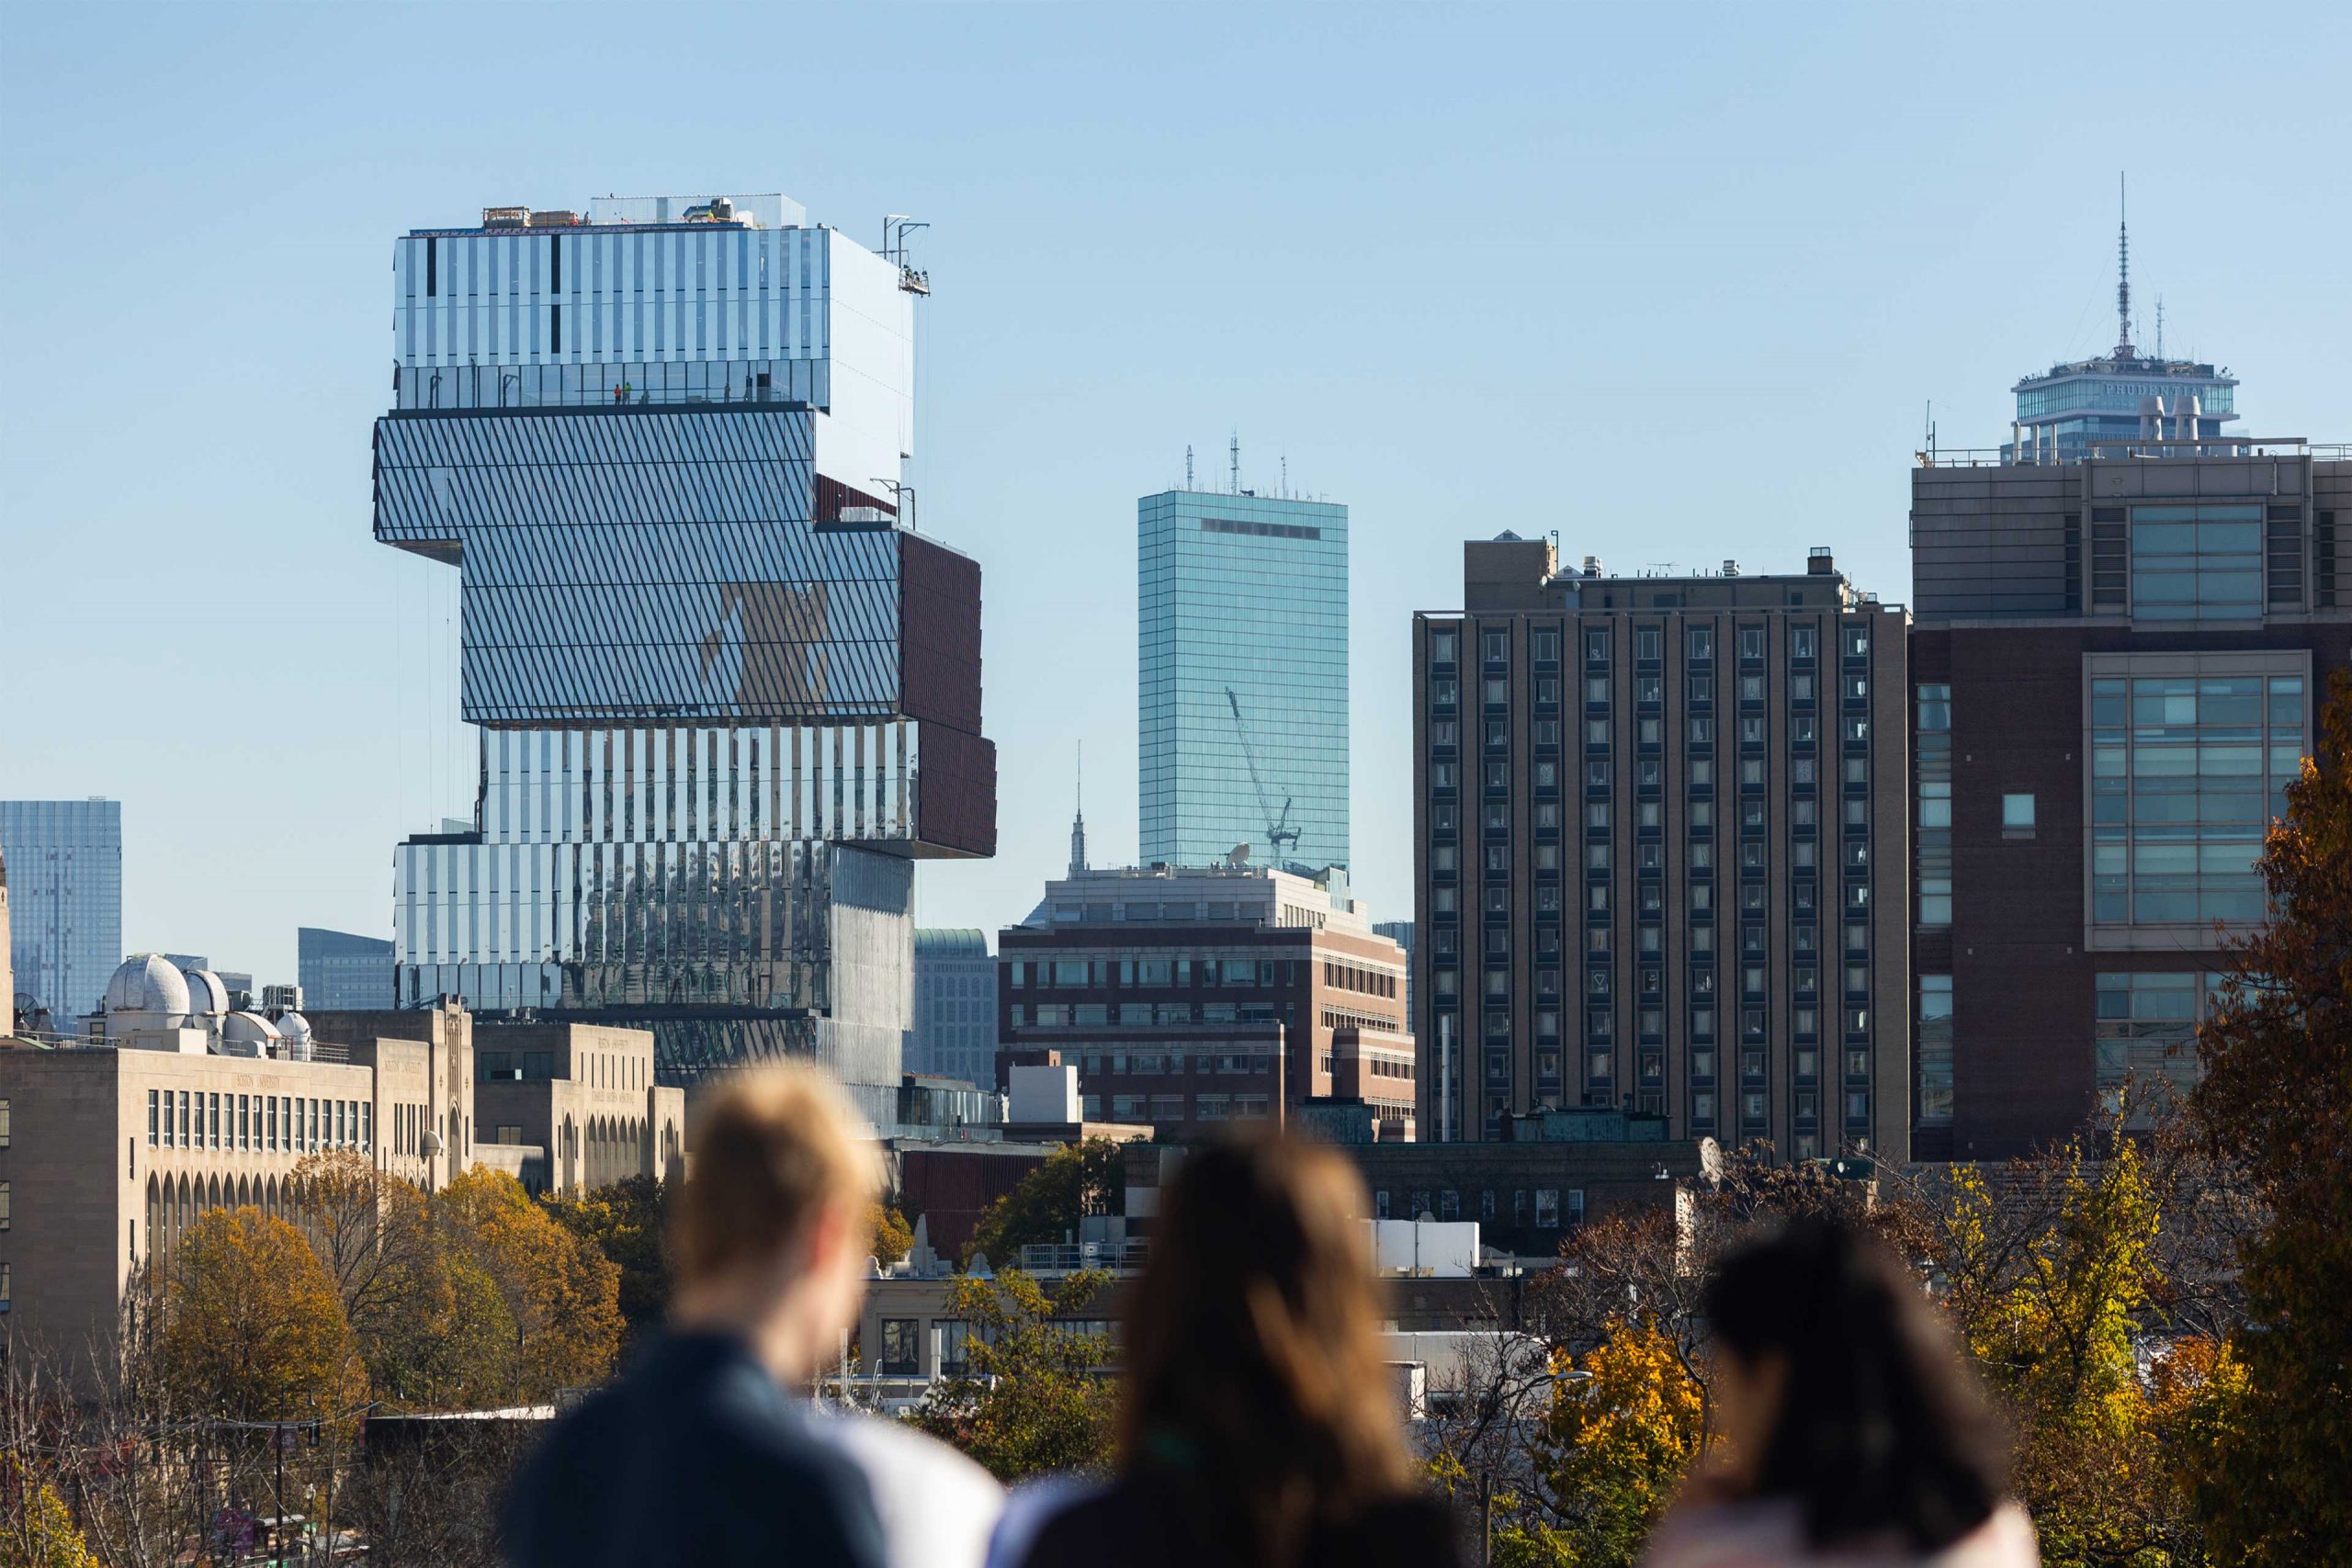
[1280, 834]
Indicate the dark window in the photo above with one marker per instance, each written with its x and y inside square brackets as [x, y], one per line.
[555, 264]
[555, 329]
[431, 267]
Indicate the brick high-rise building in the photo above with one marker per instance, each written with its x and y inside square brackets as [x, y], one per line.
[2116, 668]
[1662, 828]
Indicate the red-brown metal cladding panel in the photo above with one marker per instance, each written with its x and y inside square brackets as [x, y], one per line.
[956, 806]
[939, 635]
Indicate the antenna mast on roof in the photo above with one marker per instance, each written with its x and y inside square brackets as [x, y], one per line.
[2122, 270]
[1188, 465]
[2160, 326]
[1286, 476]
[1236, 462]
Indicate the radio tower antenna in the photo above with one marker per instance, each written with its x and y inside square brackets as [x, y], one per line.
[2123, 269]
[1188, 465]
[1236, 453]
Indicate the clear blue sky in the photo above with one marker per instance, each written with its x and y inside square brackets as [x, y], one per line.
[1676, 281]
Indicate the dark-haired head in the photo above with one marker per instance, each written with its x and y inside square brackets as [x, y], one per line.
[1253, 1354]
[1853, 1391]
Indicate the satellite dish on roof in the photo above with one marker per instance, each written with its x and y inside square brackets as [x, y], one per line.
[1237, 855]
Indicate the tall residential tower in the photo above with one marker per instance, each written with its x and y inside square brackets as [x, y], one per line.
[727, 695]
[1242, 666]
[1661, 834]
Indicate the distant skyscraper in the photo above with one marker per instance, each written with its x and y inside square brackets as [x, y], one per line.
[2123, 396]
[65, 901]
[8, 956]
[1242, 665]
[727, 699]
[955, 1033]
[343, 973]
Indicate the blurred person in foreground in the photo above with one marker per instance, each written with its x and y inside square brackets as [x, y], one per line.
[1260, 1427]
[706, 1452]
[1850, 1431]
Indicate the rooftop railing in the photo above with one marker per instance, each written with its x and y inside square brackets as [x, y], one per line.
[2117, 451]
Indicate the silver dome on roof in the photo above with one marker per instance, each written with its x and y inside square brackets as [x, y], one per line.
[147, 982]
[247, 1035]
[206, 993]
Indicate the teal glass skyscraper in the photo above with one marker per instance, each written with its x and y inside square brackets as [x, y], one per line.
[1242, 676]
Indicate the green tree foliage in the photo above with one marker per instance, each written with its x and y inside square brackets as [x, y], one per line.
[1035, 1395]
[1075, 1181]
[2276, 1095]
[253, 1327]
[626, 1221]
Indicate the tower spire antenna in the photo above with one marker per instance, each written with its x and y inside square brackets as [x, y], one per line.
[2122, 268]
[1236, 457]
[1188, 465]
[1077, 820]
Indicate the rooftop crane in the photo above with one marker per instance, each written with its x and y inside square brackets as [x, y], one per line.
[1279, 832]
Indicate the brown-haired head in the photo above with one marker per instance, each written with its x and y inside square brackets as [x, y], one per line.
[768, 1233]
[1253, 1352]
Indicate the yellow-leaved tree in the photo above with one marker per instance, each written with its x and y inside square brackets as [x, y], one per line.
[1624, 1422]
[253, 1327]
[542, 1303]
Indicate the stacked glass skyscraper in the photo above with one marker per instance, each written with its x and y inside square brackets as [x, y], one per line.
[65, 901]
[1242, 706]
[726, 699]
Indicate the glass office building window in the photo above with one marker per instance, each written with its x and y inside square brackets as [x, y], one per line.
[2187, 771]
[2147, 1037]
[1935, 1050]
[1242, 673]
[2195, 562]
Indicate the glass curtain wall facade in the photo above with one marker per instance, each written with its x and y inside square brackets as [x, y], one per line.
[64, 900]
[726, 699]
[343, 972]
[1242, 660]
[955, 1033]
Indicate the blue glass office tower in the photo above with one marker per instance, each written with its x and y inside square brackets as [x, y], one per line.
[65, 901]
[725, 698]
[1242, 665]
[343, 972]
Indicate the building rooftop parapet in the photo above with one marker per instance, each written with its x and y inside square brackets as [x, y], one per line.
[2179, 449]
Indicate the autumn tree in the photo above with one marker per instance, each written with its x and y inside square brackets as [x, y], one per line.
[35, 1530]
[552, 1297]
[624, 1220]
[373, 1234]
[2276, 1097]
[253, 1328]
[1625, 1424]
[1051, 1202]
[1033, 1395]
[893, 1238]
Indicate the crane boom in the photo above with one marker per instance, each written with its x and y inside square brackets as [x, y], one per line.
[1279, 832]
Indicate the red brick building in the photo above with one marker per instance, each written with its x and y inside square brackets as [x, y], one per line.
[1192, 996]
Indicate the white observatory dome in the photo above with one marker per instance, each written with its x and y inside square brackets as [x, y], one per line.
[147, 982]
[206, 993]
[247, 1035]
[295, 1031]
